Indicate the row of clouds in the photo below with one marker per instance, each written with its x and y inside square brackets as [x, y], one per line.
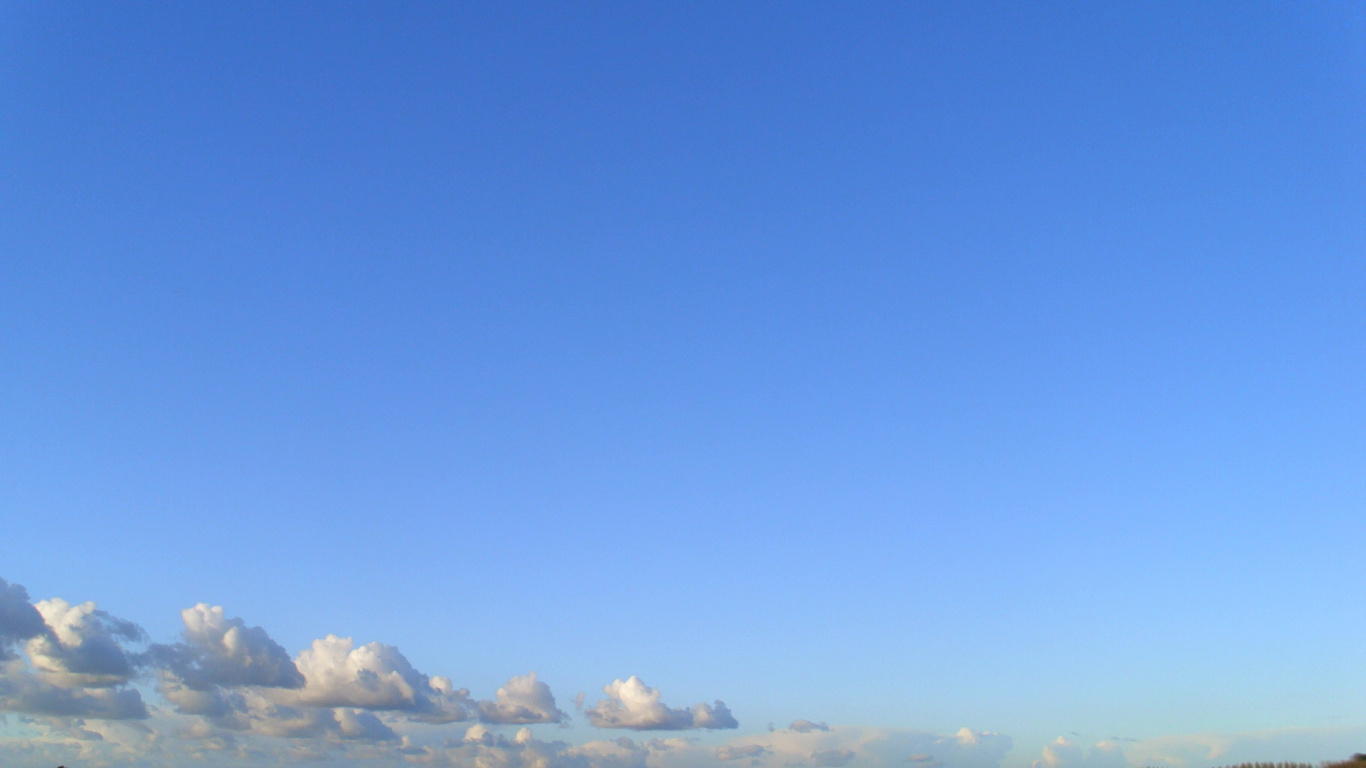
[233, 696]
[114, 742]
[482, 747]
[59, 660]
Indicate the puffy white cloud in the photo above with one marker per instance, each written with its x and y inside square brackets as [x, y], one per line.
[219, 651]
[522, 700]
[82, 646]
[632, 704]
[77, 666]
[373, 676]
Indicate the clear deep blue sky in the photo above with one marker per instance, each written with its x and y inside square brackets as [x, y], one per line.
[926, 364]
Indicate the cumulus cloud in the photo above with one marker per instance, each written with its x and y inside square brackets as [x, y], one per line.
[82, 645]
[522, 700]
[373, 676]
[239, 679]
[235, 692]
[632, 704]
[806, 726]
[219, 651]
[77, 666]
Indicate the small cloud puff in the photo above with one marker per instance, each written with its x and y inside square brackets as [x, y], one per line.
[522, 700]
[632, 704]
[806, 726]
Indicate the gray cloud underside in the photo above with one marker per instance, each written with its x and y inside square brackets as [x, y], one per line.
[25, 692]
[19, 620]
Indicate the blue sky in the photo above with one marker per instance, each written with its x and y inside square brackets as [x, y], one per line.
[900, 366]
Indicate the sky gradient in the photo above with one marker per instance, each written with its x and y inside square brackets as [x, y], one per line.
[905, 367]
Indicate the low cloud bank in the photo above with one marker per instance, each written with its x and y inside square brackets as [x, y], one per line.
[71, 676]
[64, 666]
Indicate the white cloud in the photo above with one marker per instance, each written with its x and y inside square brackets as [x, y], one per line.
[522, 700]
[632, 704]
[219, 651]
[806, 726]
[82, 646]
[373, 676]
[76, 664]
